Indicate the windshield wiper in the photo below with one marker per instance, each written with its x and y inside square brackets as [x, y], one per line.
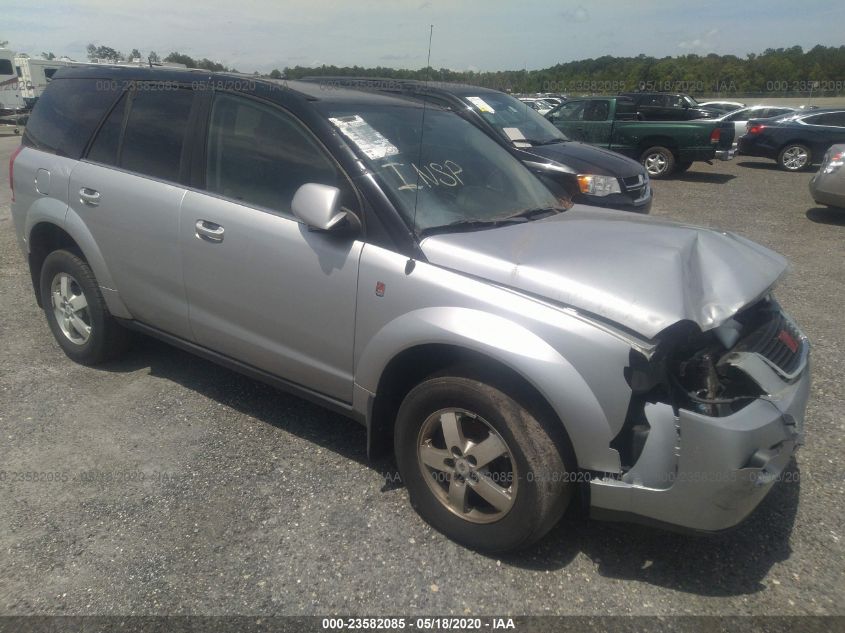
[533, 214]
[469, 225]
[537, 143]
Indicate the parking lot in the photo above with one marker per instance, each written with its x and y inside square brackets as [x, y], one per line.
[166, 484]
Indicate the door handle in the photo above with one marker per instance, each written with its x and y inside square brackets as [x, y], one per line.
[209, 231]
[91, 197]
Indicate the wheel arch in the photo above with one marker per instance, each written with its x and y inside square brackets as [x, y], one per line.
[658, 141]
[47, 235]
[544, 378]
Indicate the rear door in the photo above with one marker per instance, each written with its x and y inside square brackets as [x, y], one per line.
[127, 191]
[825, 129]
[262, 287]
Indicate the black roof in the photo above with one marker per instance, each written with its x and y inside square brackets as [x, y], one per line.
[398, 85]
[327, 94]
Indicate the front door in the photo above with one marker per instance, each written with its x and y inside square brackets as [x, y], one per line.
[262, 287]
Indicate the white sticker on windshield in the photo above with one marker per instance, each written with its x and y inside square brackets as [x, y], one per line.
[367, 138]
[481, 104]
[514, 133]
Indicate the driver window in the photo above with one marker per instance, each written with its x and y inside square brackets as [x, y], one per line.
[259, 155]
[597, 111]
[572, 111]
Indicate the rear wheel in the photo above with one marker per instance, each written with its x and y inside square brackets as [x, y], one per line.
[478, 466]
[658, 161]
[794, 157]
[76, 312]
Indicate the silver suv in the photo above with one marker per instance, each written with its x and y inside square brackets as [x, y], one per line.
[386, 258]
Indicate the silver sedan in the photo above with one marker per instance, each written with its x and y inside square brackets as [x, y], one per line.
[828, 185]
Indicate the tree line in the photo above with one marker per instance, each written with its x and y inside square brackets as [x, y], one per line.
[778, 71]
[781, 70]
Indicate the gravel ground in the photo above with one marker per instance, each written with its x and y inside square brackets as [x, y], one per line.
[176, 486]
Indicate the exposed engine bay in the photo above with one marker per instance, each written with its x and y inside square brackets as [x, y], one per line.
[709, 372]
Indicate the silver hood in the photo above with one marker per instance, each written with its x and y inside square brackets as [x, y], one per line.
[638, 271]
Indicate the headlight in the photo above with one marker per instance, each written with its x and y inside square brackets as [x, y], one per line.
[598, 185]
[831, 164]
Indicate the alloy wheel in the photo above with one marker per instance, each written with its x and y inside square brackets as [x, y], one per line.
[655, 164]
[70, 308]
[467, 465]
[795, 158]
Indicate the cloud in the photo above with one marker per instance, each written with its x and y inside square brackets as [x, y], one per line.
[578, 14]
[702, 41]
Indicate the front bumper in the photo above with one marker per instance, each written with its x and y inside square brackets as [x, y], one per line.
[620, 201]
[707, 473]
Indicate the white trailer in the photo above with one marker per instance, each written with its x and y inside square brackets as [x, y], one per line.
[12, 104]
[35, 74]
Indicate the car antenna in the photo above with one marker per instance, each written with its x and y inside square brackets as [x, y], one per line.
[422, 126]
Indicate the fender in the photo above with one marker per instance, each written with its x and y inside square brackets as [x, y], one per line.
[521, 350]
[53, 211]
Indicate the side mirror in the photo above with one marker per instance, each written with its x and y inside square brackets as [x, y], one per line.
[319, 207]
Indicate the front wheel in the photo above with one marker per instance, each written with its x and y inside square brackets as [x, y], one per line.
[478, 466]
[794, 157]
[76, 311]
[658, 161]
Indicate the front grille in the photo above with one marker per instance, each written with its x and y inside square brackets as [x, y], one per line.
[635, 186]
[773, 340]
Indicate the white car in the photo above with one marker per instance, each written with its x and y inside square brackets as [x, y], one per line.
[541, 105]
[743, 115]
[722, 106]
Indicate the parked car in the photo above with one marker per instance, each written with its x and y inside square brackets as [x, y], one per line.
[722, 106]
[741, 116]
[540, 105]
[828, 185]
[409, 272]
[573, 170]
[666, 106]
[796, 141]
[664, 148]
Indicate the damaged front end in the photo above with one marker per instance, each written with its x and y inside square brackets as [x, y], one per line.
[714, 419]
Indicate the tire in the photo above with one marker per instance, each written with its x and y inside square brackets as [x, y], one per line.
[682, 167]
[76, 312]
[658, 161]
[795, 157]
[529, 461]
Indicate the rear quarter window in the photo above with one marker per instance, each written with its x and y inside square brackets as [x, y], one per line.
[66, 115]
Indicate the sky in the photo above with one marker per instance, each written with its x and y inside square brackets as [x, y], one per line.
[468, 35]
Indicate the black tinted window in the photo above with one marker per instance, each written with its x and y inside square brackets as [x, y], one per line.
[104, 148]
[836, 119]
[260, 155]
[6, 67]
[67, 113]
[49, 72]
[155, 132]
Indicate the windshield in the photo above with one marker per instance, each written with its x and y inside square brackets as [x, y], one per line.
[456, 175]
[515, 119]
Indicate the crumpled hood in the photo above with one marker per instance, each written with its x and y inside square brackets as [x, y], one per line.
[640, 272]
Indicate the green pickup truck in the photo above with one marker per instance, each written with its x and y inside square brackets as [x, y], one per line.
[663, 147]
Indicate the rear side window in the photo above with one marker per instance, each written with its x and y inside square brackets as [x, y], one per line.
[105, 146]
[65, 116]
[155, 132]
[836, 119]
